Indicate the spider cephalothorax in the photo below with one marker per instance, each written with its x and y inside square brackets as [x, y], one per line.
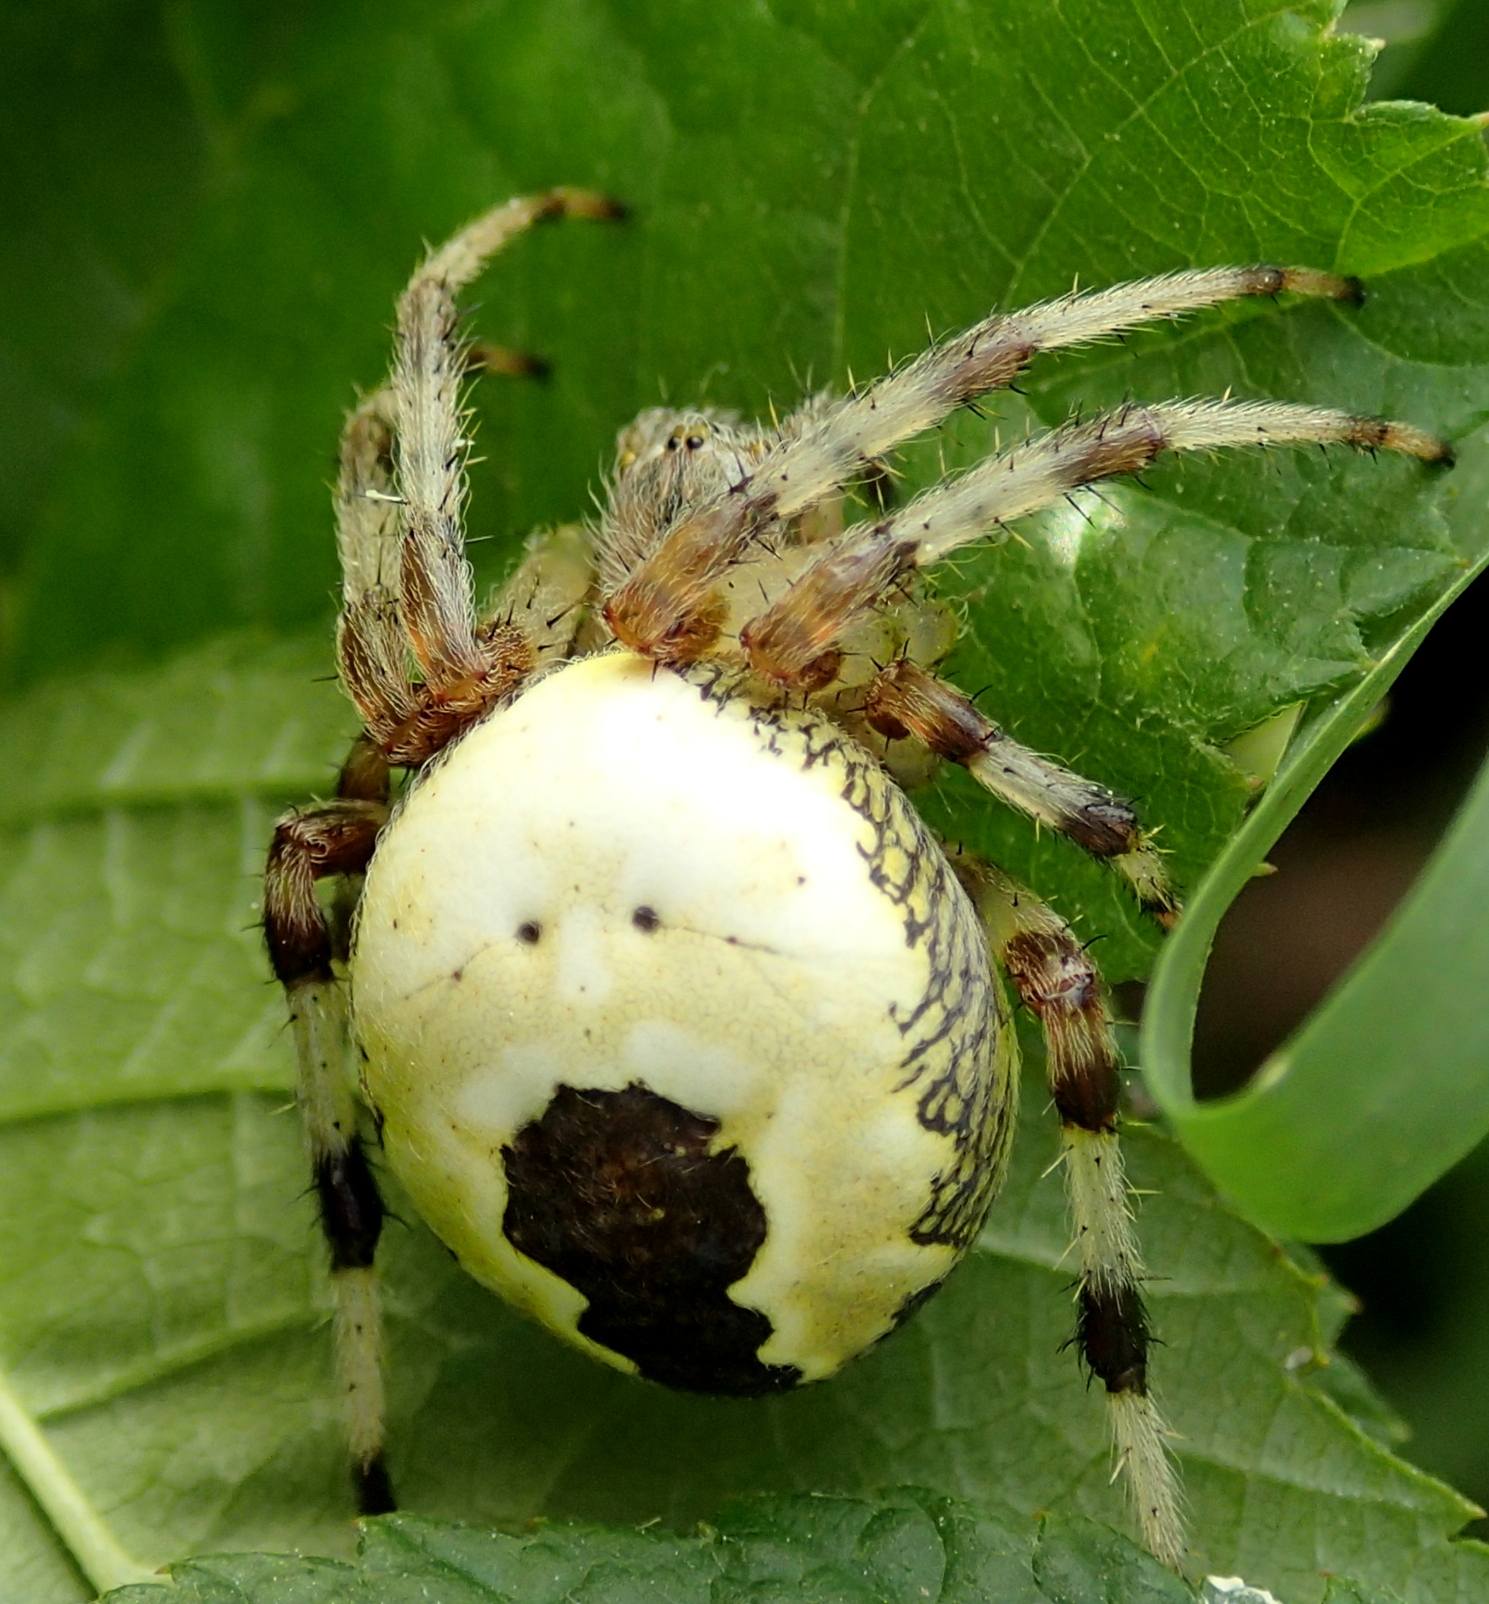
[678, 1025]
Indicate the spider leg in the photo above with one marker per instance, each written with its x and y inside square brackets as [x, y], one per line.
[401, 498]
[334, 839]
[664, 608]
[789, 640]
[432, 437]
[905, 700]
[368, 514]
[369, 510]
[1061, 986]
[369, 638]
[549, 593]
[872, 479]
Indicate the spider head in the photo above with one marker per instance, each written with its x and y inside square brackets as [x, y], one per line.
[663, 553]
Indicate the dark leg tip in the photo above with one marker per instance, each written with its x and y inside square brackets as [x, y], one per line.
[374, 1487]
[1164, 914]
[1354, 291]
[483, 357]
[586, 203]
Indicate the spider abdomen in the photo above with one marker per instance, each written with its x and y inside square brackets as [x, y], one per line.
[683, 1035]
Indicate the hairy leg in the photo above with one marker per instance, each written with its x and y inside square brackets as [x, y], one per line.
[369, 522]
[369, 510]
[549, 594]
[662, 608]
[335, 839]
[432, 437]
[789, 641]
[402, 490]
[904, 700]
[1057, 981]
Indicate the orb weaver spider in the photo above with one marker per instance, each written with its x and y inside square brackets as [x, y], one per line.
[677, 1024]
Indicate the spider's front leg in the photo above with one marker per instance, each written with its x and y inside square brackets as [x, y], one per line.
[335, 839]
[1061, 986]
[666, 608]
[462, 663]
[904, 700]
[401, 500]
[793, 641]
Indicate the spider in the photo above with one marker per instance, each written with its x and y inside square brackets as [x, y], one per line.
[676, 1023]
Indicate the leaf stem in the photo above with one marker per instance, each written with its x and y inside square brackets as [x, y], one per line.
[76, 1521]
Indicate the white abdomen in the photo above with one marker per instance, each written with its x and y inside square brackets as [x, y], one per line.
[683, 1035]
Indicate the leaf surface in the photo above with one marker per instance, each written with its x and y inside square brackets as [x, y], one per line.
[818, 1549]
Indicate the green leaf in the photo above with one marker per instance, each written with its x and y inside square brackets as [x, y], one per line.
[219, 204]
[1369, 1143]
[821, 1550]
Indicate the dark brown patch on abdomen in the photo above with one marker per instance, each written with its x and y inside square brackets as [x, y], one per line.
[617, 1193]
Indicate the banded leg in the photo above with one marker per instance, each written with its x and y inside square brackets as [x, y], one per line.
[432, 441]
[370, 646]
[335, 839]
[369, 515]
[662, 608]
[793, 642]
[404, 466]
[1061, 986]
[904, 700]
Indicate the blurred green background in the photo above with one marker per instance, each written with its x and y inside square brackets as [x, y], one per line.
[1423, 1280]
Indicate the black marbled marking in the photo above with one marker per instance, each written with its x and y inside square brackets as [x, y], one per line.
[914, 1303]
[351, 1209]
[618, 1193]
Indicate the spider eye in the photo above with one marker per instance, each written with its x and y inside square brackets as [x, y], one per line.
[694, 436]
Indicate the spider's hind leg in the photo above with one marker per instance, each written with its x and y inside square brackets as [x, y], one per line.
[1061, 986]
